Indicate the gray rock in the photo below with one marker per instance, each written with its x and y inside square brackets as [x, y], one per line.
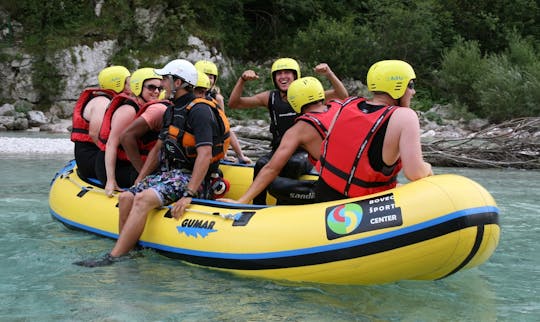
[7, 110]
[62, 126]
[444, 111]
[476, 125]
[428, 134]
[81, 65]
[36, 118]
[146, 20]
[62, 109]
[20, 124]
[7, 121]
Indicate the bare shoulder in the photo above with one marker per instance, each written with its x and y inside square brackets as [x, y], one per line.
[406, 112]
[404, 115]
[99, 101]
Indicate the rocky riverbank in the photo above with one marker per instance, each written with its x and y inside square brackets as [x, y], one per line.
[445, 141]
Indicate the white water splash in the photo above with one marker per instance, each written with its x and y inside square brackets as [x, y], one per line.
[9, 145]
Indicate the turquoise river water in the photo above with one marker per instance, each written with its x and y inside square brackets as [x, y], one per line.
[39, 283]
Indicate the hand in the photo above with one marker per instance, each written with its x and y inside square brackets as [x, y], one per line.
[429, 168]
[244, 160]
[180, 207]
[111, 187]
[249, 75]
[323, 69]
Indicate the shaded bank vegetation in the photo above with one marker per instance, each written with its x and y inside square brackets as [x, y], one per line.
[482, 57]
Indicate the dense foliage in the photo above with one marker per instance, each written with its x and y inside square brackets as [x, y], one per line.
[481, 56]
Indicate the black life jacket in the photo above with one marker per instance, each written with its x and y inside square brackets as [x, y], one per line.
[282, 117]
[180, 145]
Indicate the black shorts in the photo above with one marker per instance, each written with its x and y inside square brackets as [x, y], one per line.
[85, 156]
[125, 172]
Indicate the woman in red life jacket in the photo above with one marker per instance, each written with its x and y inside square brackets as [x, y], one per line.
[88, 115]
[371, 140]
[113, 167]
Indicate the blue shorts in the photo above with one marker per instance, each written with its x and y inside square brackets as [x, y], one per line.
[168, 185]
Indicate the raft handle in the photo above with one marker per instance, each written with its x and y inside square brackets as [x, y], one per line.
[234, 217]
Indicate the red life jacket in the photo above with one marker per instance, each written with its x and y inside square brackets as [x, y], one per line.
[105, 131]
[80, 126]
[321, 121]
[344, 153]
[149, 139]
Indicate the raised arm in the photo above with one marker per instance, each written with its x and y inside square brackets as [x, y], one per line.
[236, 100]
[338, 90]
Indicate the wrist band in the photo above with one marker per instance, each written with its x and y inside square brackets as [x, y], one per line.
[189, 193]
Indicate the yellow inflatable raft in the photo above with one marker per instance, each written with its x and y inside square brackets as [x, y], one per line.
[424, 230]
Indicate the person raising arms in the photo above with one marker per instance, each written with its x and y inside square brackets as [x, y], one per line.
[306, 96]
[283, 72]
[88, 116]
[371, 140]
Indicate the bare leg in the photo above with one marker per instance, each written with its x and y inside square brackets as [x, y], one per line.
[134, 226]
[125, 203]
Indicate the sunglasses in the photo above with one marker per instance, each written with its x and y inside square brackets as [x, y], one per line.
[410, 85]
[152, 87]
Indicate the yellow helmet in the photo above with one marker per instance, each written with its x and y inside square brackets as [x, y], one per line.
[285, 64]
[390, 76]
[113, 77]
[303, 91]
[203, 80]
[138, 78]
[207, 67]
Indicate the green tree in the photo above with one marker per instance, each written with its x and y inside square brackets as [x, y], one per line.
[511, 85]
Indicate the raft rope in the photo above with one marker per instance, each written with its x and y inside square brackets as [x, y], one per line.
[212, 213]
[85, 189]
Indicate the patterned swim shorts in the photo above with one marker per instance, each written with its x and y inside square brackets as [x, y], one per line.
[169, 185]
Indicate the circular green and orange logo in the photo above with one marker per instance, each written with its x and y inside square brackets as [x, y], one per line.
[344, 219]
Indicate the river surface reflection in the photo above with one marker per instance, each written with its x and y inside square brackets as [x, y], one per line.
[38, 281]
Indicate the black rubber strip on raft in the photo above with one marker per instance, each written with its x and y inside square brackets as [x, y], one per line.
[357, 251]
[477, 242]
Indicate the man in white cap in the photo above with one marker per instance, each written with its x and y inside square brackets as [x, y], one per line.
[191, 143]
